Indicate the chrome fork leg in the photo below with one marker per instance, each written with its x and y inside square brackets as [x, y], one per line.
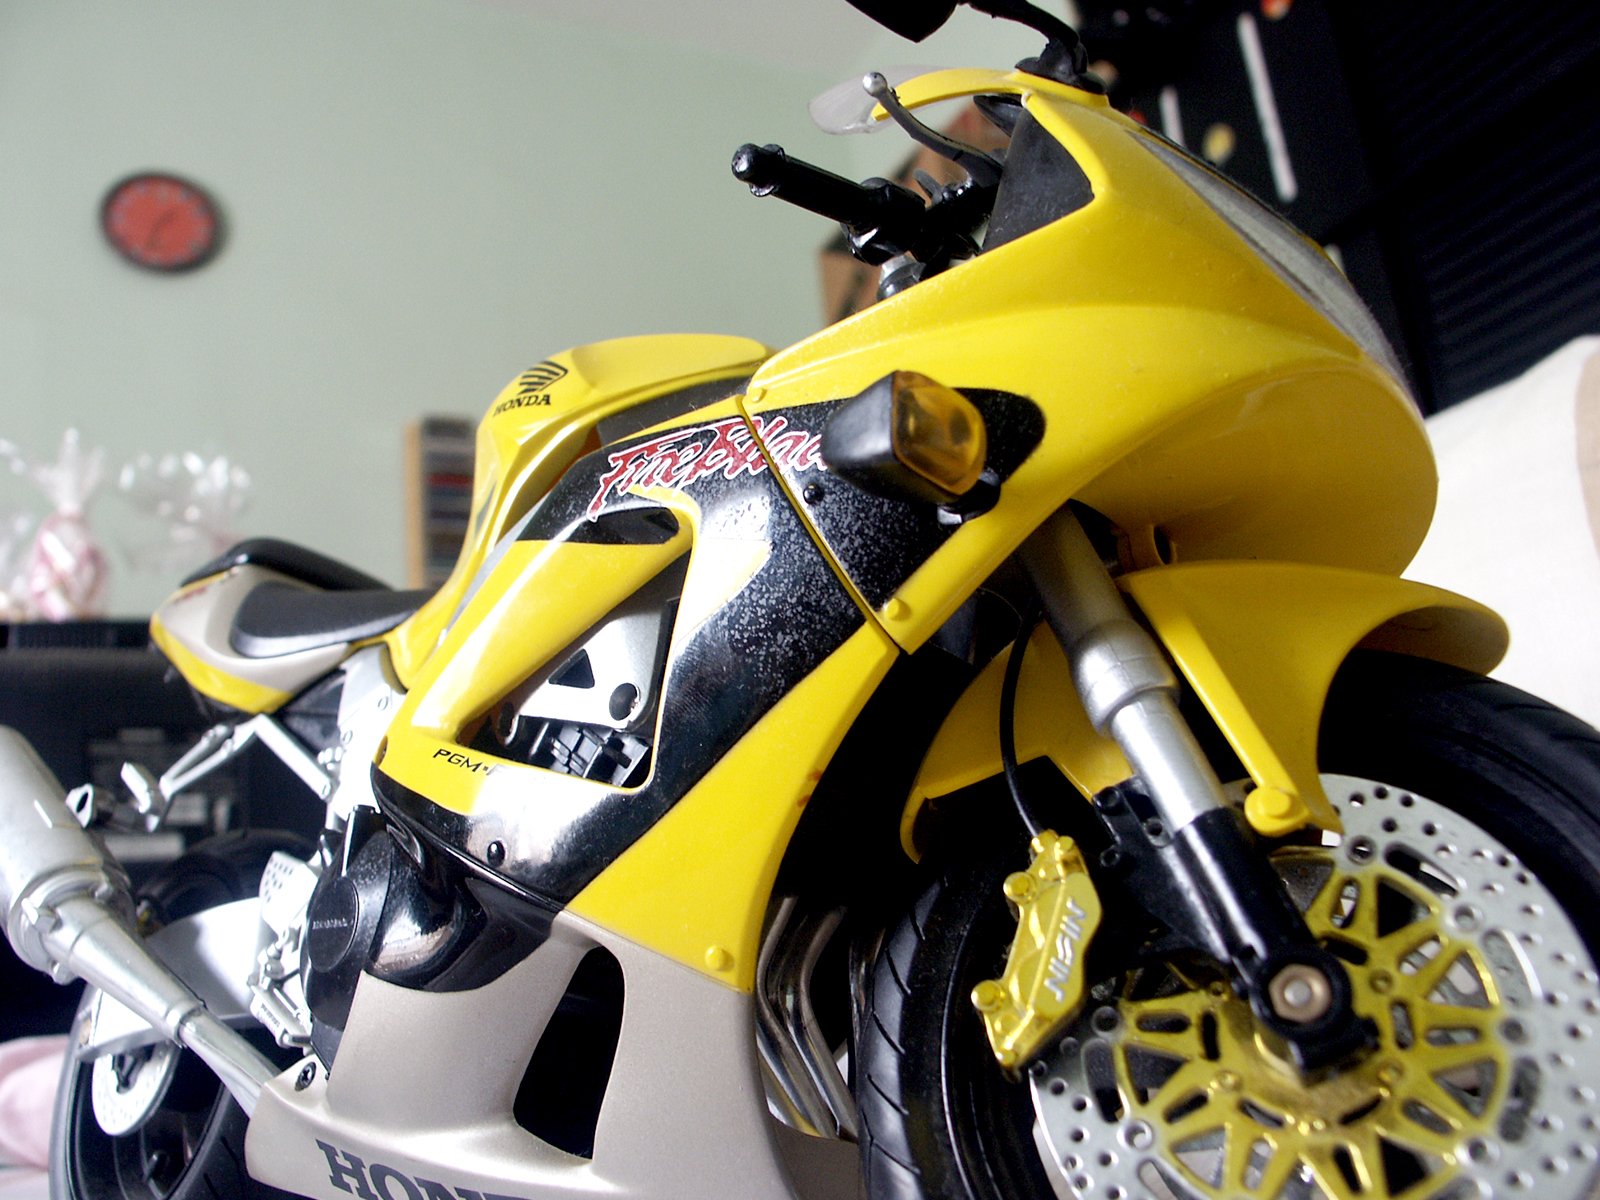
[1122, 676]
[1232, 903]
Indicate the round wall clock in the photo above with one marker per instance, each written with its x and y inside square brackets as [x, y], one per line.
[161, 222]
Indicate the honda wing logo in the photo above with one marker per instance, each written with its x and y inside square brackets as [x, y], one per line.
[531, 386]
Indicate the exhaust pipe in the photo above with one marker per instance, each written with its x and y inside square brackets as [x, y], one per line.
[68, 913]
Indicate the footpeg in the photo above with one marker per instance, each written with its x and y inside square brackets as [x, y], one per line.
[1042, 986]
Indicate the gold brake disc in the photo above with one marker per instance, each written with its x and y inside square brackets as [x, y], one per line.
[1483, 1082]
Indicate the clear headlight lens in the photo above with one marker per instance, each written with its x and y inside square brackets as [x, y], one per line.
[1295, 258]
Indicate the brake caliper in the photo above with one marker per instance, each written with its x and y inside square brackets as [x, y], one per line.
[1042, 986]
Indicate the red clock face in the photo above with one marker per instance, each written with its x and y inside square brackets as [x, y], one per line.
[161, 222]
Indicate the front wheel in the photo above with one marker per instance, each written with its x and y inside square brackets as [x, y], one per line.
[1464, 898]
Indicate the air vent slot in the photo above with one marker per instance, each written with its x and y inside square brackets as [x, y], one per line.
[592, 713]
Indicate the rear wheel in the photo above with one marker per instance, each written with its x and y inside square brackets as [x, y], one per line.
[178, 1134]
[1464, 898]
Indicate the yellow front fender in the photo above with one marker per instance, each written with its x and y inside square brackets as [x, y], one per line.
[1258, 642]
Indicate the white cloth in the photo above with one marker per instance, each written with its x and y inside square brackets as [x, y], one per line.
[30, 1069]
[1512, 527]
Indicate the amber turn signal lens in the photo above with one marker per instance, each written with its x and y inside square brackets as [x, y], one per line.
[937, 432]
[908, 437]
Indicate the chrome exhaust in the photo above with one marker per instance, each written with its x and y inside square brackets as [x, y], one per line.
[68, 913]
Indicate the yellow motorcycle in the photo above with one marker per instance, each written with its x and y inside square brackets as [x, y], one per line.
[983, 750]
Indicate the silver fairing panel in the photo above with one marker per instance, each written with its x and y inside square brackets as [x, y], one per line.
[419, 1100]
[200, 619]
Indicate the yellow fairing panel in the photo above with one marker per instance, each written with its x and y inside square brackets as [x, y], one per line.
[1184, 384]
[538, 600]
[192, 628]
[211, 681]
[1260, 644]
[538, 425]
[970, 81]
[1050, 723]
[695, 887]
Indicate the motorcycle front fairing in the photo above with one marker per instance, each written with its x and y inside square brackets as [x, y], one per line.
[1136, 354]
[1187, 388]
[755, 618]
[1190, 392]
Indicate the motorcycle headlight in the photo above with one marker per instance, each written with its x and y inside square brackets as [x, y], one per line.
[1296, 259]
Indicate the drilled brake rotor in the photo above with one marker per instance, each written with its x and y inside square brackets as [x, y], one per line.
[1483, 1082]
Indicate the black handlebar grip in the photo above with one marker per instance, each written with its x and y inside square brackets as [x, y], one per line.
[771, 172]
[759, 166]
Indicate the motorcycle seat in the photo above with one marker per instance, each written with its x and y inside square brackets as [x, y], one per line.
[297, 562]
[319, 601]
[283, 618]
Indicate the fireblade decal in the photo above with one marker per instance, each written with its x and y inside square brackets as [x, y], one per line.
[677, 459]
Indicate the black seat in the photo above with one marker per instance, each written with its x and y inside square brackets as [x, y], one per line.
[297, 562]
[338, 603]
[278, 618]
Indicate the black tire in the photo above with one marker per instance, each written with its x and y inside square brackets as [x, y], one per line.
[192, 1146]
[935, 1111]
[1517, 767]
[937, 1117]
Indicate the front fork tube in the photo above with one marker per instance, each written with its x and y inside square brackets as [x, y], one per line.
[1220, 892]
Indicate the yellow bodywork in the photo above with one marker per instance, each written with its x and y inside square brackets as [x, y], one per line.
[1189, 393]
[695, 887]
[206, 677]
[538, 600]
[1260, 644]
[523, 448]
[1050, 723]
[1186, 387]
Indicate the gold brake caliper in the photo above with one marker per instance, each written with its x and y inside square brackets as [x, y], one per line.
[1042, 986]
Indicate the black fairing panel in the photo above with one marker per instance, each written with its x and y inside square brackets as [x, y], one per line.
[1042, 183]
[721, 677]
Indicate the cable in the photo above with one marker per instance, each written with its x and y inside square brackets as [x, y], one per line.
[1026, 620]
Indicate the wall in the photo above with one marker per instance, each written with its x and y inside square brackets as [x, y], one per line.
[424, 197]
[968, 39]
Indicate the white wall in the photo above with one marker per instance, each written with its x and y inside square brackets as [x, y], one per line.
[423, 198]
[968, 39]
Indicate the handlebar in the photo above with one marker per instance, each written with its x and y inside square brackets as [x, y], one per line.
[883, 218]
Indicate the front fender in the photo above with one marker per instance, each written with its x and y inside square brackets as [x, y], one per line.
[1259, 642]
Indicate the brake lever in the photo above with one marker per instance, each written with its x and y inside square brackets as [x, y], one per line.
[983, 169]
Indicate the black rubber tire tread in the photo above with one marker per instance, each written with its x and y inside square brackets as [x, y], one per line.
[1522, 770]
[917, 991]
[217, 1173]
[889, 1153]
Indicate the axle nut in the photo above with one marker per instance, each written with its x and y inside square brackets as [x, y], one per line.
[1300, 993]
